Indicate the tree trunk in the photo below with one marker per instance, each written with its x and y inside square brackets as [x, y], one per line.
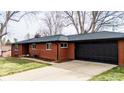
[1, 50]
[80, 23]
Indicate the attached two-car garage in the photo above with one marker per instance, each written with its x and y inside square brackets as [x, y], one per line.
[99, 51]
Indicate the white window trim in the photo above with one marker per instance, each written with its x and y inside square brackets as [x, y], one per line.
[32, 46]
[48, 48]
[64, 43]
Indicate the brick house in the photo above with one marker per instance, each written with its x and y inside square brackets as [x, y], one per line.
[106, 47]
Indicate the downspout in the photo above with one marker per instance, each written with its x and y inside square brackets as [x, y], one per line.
[57, 51]
[12, 51]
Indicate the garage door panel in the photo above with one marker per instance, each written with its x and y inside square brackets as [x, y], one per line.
[102, 52]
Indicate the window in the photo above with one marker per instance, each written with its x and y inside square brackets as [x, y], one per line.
[16, 46]
[48, 46]
[33, 45]
[64, 45]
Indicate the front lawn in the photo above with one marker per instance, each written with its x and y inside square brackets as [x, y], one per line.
[14, 65]
[115, 74]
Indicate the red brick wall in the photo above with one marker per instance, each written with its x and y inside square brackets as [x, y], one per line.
[12, 51]
[18, 52]
[121, 52]
[67, 53]
[63, 53]
[71, 51]
[41, 51]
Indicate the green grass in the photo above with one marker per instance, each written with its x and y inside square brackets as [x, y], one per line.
[14, 65]
[115, 74]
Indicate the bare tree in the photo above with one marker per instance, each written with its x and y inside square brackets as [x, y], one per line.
[93, 21]
[7, 17]
[73, 19]
[37, 35]
[27, 36]
[54, 22]
[8, 42]
[3, 41]
[15, 40]
[43, 32]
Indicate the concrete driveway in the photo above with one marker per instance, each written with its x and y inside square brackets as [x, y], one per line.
[72, 70]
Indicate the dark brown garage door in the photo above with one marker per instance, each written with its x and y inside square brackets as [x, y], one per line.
[97, 51]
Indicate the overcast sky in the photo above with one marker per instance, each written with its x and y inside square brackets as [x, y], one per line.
[30, 24]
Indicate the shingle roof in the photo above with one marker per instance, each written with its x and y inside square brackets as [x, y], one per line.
[46, 39]
[89, 36]
[96, 36]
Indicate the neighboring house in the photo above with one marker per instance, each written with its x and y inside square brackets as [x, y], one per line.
[107, 47]
[6, 49]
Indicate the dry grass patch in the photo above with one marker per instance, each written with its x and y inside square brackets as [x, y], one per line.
[14, 65]
[115, 74]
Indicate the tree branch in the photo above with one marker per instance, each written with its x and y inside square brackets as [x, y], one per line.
[3, 34]
[17, 20]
